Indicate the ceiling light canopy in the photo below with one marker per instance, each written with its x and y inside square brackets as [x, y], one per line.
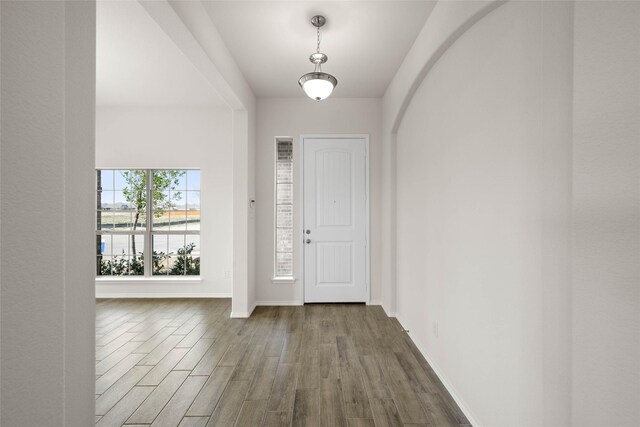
[317, 84]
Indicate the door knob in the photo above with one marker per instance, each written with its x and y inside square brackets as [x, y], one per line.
[308, 241]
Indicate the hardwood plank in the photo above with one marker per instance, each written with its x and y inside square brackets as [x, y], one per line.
[110, 326]
[277, 419]
[260, 387]
[406, 401]
[449, 404]
[193, 422]
[310, 340]
[326, 331]
[372, 378]
[172, 413]
[162, 369]
[246, 368]
[306, 408]
[106, 350]
[125, 407]
[230, 403]
[251, 413]
[151, 407]
[331, 405]
[188, 326]
[183, 317]
[207, 399]
[385, 413]
[115, 373]
[158, 353]
[119, 389]
[194, 355]
[224, 329]
[154, 341]
[418, 379]
[309, 372]
[356, 402]
[275, 344]
[291, 351]
[436, 410]
[347, 355]
[114, 358]
[109, 320]
[360, 422]
[149, 330]
[283, 390]
[115, 333]
[210, 360]
[236, 350]
[328, 359]
[192, 337]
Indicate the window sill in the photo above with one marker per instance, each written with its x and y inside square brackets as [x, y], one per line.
[283, 280]
[147, 280]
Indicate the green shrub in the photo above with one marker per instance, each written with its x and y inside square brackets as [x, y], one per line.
[121, 266]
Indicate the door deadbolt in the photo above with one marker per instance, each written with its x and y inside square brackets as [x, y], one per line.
[308, 231]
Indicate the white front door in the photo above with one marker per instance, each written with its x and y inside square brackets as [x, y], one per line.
[335, 219]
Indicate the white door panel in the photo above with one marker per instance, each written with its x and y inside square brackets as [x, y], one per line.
[335, 220]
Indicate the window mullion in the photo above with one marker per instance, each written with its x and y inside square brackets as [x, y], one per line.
[148, 244]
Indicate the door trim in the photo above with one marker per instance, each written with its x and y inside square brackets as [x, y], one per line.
[367, 207]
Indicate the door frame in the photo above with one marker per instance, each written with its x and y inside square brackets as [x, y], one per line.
[367, 208]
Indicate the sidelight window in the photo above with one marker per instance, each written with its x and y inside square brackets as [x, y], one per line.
[283, 268]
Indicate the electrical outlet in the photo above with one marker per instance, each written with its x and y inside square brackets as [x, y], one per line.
[227, 274]
[436, 329]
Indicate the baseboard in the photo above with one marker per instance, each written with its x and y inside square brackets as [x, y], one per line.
[271, 303]
[387, 311]
[243, 314]
[443, 378]
[162, 295]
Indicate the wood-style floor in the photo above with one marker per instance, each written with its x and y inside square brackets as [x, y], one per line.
[179, 362]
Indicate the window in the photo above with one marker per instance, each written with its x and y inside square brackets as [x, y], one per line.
[129, 230]
[284, 209]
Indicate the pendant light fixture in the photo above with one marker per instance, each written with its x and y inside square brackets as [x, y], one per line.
[318, 85]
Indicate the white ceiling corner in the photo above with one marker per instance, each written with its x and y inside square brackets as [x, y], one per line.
[138, 65]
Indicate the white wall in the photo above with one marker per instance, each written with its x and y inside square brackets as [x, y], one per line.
[177, 138]
[447, 21]
[606, 211]
[293, 117]
[483, 231]
[47, 150]
[193, 32]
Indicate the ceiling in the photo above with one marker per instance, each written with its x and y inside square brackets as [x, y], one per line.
[137, 64]
[365, 41]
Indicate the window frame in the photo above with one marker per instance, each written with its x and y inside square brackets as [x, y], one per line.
[278, 278]
[148, 231]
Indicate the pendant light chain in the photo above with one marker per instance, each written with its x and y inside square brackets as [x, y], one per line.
[318, 65]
